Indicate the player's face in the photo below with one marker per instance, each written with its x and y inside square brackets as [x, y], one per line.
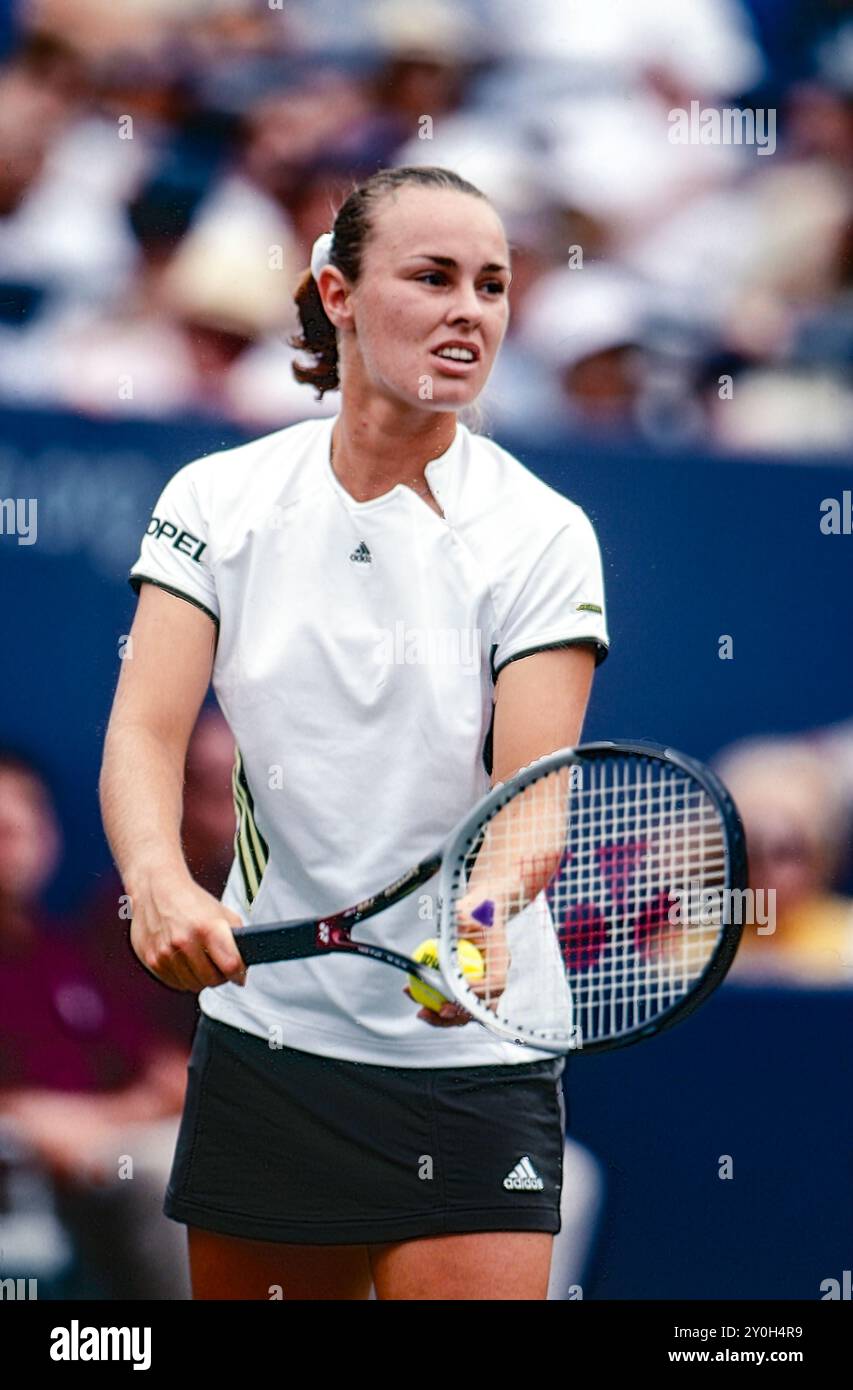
[435, 275]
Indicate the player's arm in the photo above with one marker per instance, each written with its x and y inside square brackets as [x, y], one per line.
[180, 932]
[540, 705]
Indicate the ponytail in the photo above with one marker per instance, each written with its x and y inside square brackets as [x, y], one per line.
[317, 337]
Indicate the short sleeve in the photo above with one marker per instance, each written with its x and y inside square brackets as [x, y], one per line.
[557, 600]
[175, 550]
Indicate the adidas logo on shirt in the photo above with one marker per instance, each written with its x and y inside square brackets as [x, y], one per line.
[524, 1177]
[362, 554]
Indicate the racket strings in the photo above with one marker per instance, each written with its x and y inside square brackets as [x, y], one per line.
[607, 882]
[646, 850]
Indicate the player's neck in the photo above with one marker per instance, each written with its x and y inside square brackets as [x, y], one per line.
[372, 451]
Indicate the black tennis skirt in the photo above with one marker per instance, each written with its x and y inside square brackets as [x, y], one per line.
[283, 1145]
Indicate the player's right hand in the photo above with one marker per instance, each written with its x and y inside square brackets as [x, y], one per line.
[184, 937]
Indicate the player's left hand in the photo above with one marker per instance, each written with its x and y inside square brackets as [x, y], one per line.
[451, 1014]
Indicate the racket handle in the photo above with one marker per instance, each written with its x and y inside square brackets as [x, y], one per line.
[279, 941]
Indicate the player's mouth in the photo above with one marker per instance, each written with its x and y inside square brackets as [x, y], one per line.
[457, 358]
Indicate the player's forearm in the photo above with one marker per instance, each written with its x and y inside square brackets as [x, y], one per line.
[524, 843]
[141, 791]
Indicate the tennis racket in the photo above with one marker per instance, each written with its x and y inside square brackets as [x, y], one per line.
[598, 882]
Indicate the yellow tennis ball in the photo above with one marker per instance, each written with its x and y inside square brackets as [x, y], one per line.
[426, 954]
[470, 959]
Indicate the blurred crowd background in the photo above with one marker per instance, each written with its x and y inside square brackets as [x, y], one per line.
[165, 166]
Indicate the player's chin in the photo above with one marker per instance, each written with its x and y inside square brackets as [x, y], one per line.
[455, 395]
[444, 401]
[439, 390]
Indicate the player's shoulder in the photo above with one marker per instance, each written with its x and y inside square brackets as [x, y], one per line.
[498, 484]
[280, 458]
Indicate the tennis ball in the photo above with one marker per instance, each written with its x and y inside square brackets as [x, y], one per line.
[469, 958]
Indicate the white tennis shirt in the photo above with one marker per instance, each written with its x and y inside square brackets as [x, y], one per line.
[357, 643]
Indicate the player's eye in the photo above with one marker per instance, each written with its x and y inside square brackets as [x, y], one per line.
[493, 287]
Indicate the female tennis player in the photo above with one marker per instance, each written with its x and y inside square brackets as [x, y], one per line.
[393, 611]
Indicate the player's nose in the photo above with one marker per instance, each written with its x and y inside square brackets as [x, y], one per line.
[465, 303]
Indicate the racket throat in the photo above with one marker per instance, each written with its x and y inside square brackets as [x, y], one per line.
[334, 936]
[331, 935]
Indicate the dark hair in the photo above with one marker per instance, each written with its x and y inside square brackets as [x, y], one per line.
[353, 225]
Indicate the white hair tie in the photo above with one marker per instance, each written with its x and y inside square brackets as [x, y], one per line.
[321, 253]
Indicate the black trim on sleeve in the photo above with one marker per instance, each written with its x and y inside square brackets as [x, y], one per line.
[137, 580]
[601, 650]
[488, 751]
[488, 746]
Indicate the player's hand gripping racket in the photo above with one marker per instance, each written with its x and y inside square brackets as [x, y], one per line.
[600, 879]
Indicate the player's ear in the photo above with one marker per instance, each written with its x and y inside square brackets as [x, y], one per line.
[336, 295]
